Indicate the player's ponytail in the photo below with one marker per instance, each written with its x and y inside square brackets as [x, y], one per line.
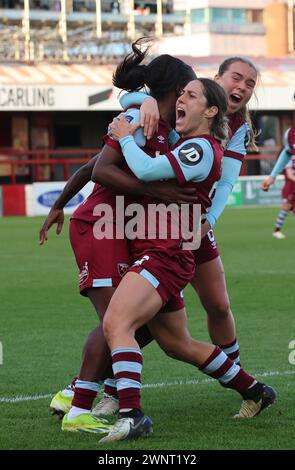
[129, 74]
[162, 75]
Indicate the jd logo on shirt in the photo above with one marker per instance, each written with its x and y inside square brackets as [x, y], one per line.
[191, 154]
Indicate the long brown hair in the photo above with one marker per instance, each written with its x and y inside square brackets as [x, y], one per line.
[216, 96]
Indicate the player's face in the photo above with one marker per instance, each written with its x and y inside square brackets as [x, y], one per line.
[239, 82]
[191, 109]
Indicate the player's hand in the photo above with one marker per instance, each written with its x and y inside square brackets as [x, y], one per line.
[169, 191]
[120, 127]
[267, 183]
[149, 117]
[111, 125]
[55, 216]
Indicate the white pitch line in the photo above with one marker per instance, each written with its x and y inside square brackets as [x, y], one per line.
[21, 398]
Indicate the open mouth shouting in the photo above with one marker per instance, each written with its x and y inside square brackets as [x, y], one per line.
[235, 100]
[180, 115]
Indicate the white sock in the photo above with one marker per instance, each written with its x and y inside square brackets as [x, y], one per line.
[75, 411]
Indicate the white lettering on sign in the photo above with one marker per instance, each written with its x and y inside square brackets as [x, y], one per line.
[26, 97]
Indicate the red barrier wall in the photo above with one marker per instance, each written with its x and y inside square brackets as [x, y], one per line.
[13, 199]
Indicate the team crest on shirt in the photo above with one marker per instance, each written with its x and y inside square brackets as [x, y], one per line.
[190, 154]
[84, 274]
[122, 268]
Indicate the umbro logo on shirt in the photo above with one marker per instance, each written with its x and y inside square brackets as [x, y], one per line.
[84, 274]
[142, 260]
[161, 139]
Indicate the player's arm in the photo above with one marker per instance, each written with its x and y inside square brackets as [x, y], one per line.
[149, 114]
[144, 167]
[56, 214]
[282, 161]
[133, 98]
[230, 172]
[234, 153]
[185, 163]
[107, 171]
[163, 166]
[149, 110]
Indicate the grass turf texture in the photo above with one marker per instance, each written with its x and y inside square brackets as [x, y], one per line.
[44, 323]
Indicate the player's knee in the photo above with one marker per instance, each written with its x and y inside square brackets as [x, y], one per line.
[219, 308]
[110, 326]
[107, 328]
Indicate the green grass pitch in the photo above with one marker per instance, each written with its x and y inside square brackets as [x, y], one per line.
[44, 323]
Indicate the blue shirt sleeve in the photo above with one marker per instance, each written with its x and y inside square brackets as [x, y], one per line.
[239, 141]
[286, 140]
[186, 163]
[133, 98]
[173, 138]
[289, 164]
[284, 157]
[192, 160]
[143, 166]
[133, 116]
[230, 172]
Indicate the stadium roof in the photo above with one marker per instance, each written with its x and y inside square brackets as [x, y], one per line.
[84, 86]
